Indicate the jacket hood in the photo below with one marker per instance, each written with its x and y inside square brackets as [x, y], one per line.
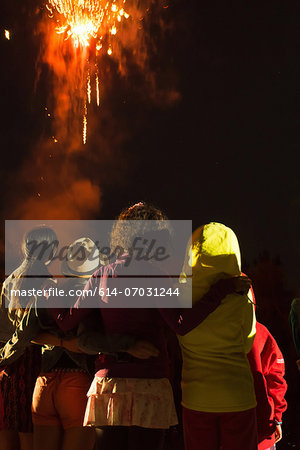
[250, 294]
[213, 253]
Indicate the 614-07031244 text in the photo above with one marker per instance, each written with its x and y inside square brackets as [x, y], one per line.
[147, 291]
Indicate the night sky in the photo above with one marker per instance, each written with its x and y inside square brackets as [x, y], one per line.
[225, 150]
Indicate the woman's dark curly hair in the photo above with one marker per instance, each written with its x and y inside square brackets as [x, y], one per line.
[136, 220]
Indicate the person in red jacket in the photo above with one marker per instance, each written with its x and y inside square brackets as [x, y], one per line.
[267, 365]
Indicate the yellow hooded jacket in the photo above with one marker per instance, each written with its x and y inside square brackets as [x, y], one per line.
[216, 376]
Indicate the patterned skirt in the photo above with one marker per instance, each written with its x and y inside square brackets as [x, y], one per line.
[141, 402]
[17, 389]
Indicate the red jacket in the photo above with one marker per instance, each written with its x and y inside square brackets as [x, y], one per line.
[267, 365]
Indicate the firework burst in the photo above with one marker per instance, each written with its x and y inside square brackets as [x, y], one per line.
[90, 25]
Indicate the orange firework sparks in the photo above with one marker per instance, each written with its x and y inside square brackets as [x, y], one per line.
[87, 22]
[89, 89]
[97, 90]
[86, 19]
[84, 131]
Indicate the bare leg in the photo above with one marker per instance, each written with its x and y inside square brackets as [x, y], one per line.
[47, 438]
[79, 438]
[26, 441]
[9, 440]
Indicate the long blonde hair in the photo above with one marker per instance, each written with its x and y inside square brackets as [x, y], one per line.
[39, 247]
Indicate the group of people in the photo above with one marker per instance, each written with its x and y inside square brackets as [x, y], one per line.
[99, 368]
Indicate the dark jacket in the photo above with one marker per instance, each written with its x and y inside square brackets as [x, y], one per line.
[294, 319]
[37, 319]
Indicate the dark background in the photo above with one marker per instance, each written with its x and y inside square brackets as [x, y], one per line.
[226, 151]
